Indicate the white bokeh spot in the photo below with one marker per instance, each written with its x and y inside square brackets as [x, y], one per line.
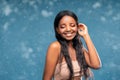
[46, 13]
[96, 5]
[7, 10]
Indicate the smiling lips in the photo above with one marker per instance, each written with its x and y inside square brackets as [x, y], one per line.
[68, 34]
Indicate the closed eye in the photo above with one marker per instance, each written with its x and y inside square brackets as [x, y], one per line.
[62, 26]
[72, 25]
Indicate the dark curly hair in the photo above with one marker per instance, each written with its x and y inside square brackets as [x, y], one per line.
[77, 45]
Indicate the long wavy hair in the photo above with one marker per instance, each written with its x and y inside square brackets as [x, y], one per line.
[77, 45]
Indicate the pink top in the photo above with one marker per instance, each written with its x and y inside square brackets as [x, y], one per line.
[63, 74]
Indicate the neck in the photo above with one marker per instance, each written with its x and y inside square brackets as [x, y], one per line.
[70, 44]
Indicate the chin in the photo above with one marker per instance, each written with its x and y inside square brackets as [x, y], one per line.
[69, 39]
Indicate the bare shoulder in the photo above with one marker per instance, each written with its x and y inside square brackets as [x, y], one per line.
[55, 45]
[54, 49]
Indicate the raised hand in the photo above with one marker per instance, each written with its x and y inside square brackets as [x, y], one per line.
[82, 29]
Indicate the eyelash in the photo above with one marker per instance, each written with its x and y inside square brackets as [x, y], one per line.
[72, 25]
[62, 26]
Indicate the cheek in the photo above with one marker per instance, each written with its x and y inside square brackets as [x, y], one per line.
[75, 29]
[61, 30]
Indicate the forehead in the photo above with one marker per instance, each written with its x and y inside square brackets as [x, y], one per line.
[67, 19]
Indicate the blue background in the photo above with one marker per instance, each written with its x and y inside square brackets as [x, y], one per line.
[26, 30]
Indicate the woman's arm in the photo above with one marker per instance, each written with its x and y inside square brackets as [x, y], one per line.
[91, 55]
[51, 61]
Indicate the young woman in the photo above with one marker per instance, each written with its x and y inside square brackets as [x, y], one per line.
[67, 58]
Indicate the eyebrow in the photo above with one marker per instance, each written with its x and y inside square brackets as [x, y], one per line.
[64, 23]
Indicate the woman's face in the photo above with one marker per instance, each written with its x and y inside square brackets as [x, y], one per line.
[67, 27]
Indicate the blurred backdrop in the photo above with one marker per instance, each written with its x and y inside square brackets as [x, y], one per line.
[26, 30]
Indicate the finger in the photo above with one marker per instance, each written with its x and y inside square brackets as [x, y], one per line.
[82, 26]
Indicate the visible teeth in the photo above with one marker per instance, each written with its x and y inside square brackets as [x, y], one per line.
[68, 34]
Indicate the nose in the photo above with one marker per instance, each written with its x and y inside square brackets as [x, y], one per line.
[68, 28]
